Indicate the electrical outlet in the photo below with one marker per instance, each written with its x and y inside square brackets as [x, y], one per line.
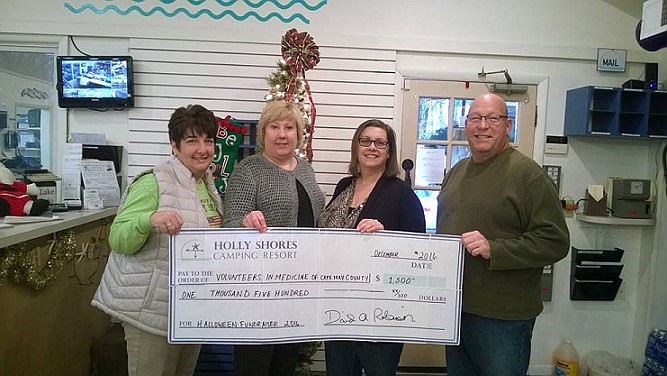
[621, 290]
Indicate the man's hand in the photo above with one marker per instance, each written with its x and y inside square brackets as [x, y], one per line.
[476, 244]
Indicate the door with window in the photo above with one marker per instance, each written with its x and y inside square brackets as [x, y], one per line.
[433, 130]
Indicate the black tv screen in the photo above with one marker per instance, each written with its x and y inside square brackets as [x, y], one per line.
[95, 81]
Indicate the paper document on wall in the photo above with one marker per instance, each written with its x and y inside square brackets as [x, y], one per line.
[89, 138]
[71, 181]
[92, 199]
[101, 176]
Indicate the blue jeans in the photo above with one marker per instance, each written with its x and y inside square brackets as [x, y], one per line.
[348, 358]
[490, 347]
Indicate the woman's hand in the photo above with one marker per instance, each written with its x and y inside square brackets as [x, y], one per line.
[167, 221]
[369, 225]
[255, 219]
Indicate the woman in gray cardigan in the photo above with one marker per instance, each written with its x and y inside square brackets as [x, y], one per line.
[272, 189]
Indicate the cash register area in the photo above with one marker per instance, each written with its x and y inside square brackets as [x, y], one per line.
[50, 264]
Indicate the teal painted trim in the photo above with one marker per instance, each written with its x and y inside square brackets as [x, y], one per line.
[255, 5]
[286, 6]
[186, 12]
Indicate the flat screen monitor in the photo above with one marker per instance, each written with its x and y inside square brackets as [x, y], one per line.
[95, 81]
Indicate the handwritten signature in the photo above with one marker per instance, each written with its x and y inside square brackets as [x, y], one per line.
[337, 317]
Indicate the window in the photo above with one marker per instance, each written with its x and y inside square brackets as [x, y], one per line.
[27, 99]
[433, 131]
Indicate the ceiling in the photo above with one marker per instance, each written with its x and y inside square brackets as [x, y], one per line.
[631, 7]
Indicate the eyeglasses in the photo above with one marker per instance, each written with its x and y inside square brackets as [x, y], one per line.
[491, 119]
[366, 142]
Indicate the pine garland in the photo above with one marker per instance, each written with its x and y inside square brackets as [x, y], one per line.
[17, 265]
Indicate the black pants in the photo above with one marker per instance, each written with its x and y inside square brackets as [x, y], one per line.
[266, 360]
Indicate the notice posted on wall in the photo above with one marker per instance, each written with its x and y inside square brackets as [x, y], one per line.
[100, 178]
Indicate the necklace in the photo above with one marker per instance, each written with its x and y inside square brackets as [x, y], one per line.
[361, 192]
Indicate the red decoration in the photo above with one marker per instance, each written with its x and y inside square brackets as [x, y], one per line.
[299, 51]
[300, 54]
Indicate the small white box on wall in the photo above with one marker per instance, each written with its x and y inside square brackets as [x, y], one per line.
[556, 145]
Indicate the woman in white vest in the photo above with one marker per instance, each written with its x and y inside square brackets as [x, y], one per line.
[177, 193]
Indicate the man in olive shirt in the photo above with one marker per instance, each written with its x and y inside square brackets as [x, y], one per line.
[508, 214]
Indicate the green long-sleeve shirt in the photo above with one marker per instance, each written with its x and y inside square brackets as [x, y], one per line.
[132, 225]
[514, 204]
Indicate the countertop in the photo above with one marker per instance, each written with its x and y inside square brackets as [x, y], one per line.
[20, 233]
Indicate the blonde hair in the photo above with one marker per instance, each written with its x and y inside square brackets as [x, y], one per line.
[278, 111]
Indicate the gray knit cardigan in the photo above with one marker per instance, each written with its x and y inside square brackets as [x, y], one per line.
[257, 184]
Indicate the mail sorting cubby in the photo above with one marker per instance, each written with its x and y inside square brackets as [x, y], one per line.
[615, 112]
[594, 273]
[603, 114]
[633, 115]
[657, 116]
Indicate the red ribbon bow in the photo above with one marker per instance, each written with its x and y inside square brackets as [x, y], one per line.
[299, 51]
[300, 54]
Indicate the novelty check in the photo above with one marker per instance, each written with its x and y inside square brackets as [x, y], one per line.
[239, 286]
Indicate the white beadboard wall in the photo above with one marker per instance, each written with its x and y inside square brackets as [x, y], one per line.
[349, 85]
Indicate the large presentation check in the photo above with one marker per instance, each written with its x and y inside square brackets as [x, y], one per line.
[240, 286]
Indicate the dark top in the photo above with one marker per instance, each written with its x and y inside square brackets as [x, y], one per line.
[392, 202]
[305, 216]
[510, 200]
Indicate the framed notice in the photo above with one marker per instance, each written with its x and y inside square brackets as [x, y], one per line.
[293, 285]
[610, 60]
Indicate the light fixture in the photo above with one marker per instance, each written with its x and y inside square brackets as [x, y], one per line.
[507, 88]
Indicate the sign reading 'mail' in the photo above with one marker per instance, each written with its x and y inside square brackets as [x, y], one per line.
[610, 60]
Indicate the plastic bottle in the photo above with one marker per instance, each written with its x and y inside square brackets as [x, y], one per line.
[566, 360]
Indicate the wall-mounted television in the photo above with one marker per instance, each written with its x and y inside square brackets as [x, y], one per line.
[95, 81]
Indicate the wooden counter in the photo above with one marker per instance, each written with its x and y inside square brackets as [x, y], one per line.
[51, 331]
